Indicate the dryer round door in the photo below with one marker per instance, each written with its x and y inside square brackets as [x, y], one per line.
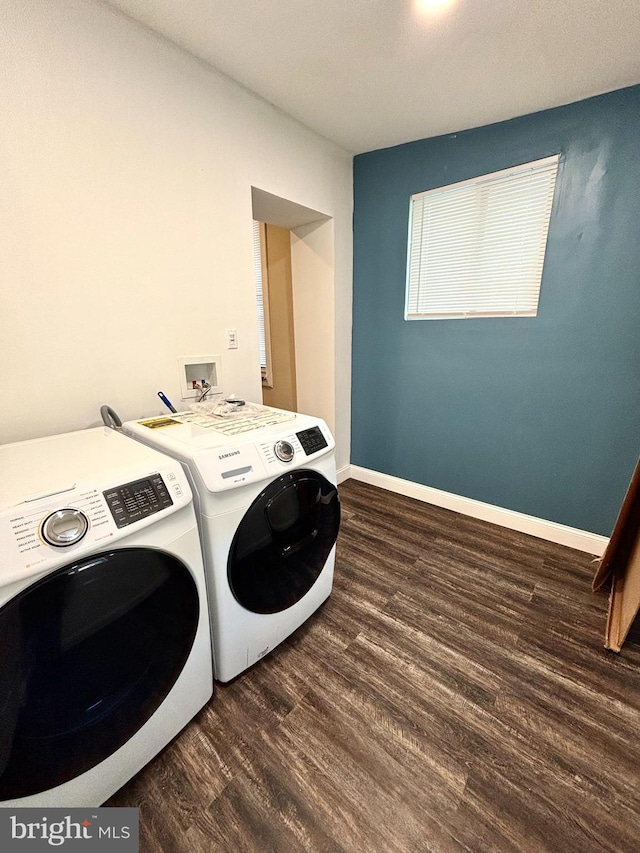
[88, 655]
[283, 541]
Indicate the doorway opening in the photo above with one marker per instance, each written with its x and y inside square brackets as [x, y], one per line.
[276, 328]
[296, 270]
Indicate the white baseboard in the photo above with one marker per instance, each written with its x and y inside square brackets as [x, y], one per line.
[343, 474]
[572, 537]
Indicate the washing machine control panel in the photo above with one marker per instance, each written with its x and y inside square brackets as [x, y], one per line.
[312, 440]
[245, 461]
[133, 501]
[43, 531]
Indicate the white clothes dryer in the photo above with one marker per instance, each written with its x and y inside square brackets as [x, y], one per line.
[269, 514]
[105, 644]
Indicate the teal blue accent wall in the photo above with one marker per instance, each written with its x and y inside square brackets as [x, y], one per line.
[536, 414]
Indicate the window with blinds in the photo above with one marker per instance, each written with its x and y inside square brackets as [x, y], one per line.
[476, 248]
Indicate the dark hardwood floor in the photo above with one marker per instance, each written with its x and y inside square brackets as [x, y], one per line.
[453, 694]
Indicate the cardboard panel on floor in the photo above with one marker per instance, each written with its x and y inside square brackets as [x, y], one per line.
[621, 563]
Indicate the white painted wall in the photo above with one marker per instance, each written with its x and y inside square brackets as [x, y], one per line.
[126, 169]
[312, 264]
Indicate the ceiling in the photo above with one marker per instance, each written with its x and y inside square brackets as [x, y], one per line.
[369, 74]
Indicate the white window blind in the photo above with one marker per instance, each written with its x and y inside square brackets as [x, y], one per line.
[257, 271]
[476, 248]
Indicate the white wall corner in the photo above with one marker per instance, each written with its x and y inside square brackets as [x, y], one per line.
[551, 531]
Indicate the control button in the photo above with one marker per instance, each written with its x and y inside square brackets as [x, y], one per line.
[64, 527]
[171, 475]
[178, 490]
[283, 450]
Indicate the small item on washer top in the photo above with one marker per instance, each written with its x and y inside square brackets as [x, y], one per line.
[231, 409]
[167, 402]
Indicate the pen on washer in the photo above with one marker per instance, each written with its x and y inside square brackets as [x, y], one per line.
[167, 402]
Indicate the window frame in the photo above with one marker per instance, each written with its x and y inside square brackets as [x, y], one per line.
[261, 277]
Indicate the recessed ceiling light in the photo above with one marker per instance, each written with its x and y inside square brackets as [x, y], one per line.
[433, 7]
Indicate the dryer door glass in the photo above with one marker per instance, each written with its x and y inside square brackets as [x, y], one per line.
[283, 541]
[87, 655]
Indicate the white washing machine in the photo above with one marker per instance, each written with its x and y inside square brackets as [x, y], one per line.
[105, 644]
[269, 514]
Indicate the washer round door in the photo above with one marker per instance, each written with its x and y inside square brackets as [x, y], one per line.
[88, 655]
[283, 541]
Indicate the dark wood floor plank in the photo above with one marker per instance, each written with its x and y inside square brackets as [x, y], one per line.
[351, 774]
[452, 695]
